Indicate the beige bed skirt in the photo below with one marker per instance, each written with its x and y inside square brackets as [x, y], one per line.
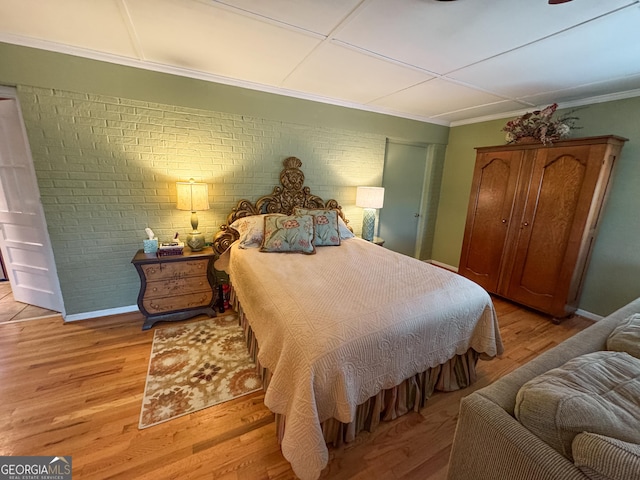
[411, 394]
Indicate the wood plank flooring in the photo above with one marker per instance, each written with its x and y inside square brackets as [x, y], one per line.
[76, 389]
[13, 311]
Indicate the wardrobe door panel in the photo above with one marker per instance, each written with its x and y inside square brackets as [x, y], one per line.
[552, 225]
[489, 217]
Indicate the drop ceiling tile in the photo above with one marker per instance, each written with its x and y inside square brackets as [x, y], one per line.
[338, 72]
[369, 54]
[444, 36]
[565, 60]
[95, 25]
[435, 97]
[320, 17]
[215, 40]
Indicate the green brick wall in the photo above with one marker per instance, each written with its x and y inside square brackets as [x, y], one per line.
[107, 166]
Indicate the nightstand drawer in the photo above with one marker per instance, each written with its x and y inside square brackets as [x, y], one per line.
[178, 302]
[180, 286]
[175, 270]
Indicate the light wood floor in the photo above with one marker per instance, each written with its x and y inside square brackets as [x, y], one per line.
[12, 311]
[76, 389]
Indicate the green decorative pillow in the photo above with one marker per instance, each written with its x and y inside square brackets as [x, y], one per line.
[290, 234]
[326, 224]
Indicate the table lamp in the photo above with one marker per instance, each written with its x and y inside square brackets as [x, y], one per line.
[369, 198]
[193, 196]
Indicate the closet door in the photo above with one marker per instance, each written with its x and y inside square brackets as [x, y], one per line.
[552, 226]
[491, 206]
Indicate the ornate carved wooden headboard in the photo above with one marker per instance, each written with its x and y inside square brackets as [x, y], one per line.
[283, 199]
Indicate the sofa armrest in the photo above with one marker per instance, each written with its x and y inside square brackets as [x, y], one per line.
[490, 444]
[603, 457]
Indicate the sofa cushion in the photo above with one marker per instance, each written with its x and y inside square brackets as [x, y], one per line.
[605, 458]
[626, 336]
[597, 392]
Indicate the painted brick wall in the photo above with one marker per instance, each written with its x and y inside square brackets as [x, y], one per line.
[107, 168]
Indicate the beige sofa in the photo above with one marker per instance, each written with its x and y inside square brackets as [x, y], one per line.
[490, 444]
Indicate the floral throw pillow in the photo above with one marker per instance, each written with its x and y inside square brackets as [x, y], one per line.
[251, 230]
[290, 234]
[326, 223]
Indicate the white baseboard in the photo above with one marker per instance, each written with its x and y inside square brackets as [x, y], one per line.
[101, 313]
[589, 315]
[134, 308]
[443, 265]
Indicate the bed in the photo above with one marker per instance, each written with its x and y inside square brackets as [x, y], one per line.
[346, 333]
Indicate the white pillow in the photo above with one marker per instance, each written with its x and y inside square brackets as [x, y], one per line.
[345, 233]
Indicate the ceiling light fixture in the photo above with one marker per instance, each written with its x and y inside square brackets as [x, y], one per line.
[557, 2]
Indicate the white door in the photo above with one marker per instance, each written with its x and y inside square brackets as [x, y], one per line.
[24, 238]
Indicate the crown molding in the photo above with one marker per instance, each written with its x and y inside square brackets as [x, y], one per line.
[576, 103]
[208, 77]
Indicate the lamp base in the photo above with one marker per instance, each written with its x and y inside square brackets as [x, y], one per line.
[195, 241]
[368, 223]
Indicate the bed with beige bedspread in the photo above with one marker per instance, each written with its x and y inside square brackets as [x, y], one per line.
[338, 327]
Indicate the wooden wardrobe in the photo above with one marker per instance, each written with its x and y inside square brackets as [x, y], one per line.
[533, 214]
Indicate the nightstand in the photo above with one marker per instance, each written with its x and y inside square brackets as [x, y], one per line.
[175, 287]
[378, 241]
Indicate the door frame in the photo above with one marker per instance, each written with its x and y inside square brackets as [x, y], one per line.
[431, 150]
[423, 220]
[12, 94]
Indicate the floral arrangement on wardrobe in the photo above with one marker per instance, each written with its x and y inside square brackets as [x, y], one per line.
[540, 126]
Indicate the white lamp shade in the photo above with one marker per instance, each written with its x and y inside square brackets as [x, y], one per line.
[370, 197]
[192, 196]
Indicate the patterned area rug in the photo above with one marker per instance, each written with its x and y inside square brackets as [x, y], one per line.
[195, 366]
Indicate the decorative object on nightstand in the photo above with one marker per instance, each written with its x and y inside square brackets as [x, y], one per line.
[193, 196]
[150, 245]
[175, 287]
[369, 198]
[376, 241]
